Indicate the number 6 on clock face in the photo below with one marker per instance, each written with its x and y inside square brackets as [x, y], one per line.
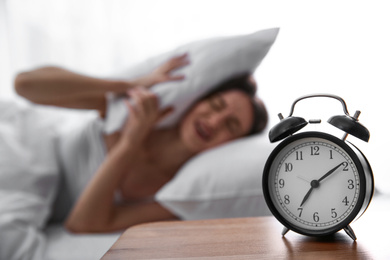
[315, 183]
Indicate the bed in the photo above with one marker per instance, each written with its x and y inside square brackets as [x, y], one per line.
[62, 245]
[223, 182]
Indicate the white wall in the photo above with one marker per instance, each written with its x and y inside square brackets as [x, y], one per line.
[338, 47]
[5, 68]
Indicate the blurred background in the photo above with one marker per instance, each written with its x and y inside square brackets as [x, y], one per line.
[337, 47]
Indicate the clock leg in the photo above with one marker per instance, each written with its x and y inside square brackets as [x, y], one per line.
[284, 231]
[350, 232]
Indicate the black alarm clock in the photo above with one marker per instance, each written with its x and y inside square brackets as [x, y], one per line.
[315, 183]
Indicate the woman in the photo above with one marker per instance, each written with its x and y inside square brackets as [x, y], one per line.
[141, 159]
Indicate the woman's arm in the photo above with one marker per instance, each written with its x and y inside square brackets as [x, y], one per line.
[95, 210]
[60, 87]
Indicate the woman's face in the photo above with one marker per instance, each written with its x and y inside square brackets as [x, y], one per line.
[220, 118]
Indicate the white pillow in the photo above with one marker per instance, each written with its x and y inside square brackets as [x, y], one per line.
[224, 182]
[212, 61]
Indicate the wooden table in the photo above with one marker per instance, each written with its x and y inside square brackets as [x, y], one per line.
[253, 238]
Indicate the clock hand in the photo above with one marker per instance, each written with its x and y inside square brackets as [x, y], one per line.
[306, 196]
[330, 172]
[302, 178]
[316, 183]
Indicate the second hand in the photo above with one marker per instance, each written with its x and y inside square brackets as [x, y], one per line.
[302, 178]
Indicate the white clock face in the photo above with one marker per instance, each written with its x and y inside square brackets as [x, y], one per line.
[314, 183]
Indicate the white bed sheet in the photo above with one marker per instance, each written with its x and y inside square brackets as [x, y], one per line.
[62, 245]
[28, 185]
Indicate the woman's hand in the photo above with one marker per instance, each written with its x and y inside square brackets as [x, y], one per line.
[144, 113]
[164, 72]
[94, 210]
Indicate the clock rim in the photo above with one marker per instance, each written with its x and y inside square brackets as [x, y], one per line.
[353, 153]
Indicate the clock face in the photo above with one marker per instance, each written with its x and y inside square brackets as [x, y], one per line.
[314, 183]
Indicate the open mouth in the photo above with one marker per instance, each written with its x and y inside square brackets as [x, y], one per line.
[203, 131]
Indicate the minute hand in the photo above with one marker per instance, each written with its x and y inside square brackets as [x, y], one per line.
[330, 172]
[316, 183]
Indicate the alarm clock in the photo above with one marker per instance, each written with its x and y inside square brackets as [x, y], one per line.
[315, 183]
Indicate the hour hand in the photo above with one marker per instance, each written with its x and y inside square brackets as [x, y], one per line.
[316, 183]
[306, 196]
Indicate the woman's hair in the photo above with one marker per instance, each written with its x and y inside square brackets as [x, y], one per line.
[246, 85]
